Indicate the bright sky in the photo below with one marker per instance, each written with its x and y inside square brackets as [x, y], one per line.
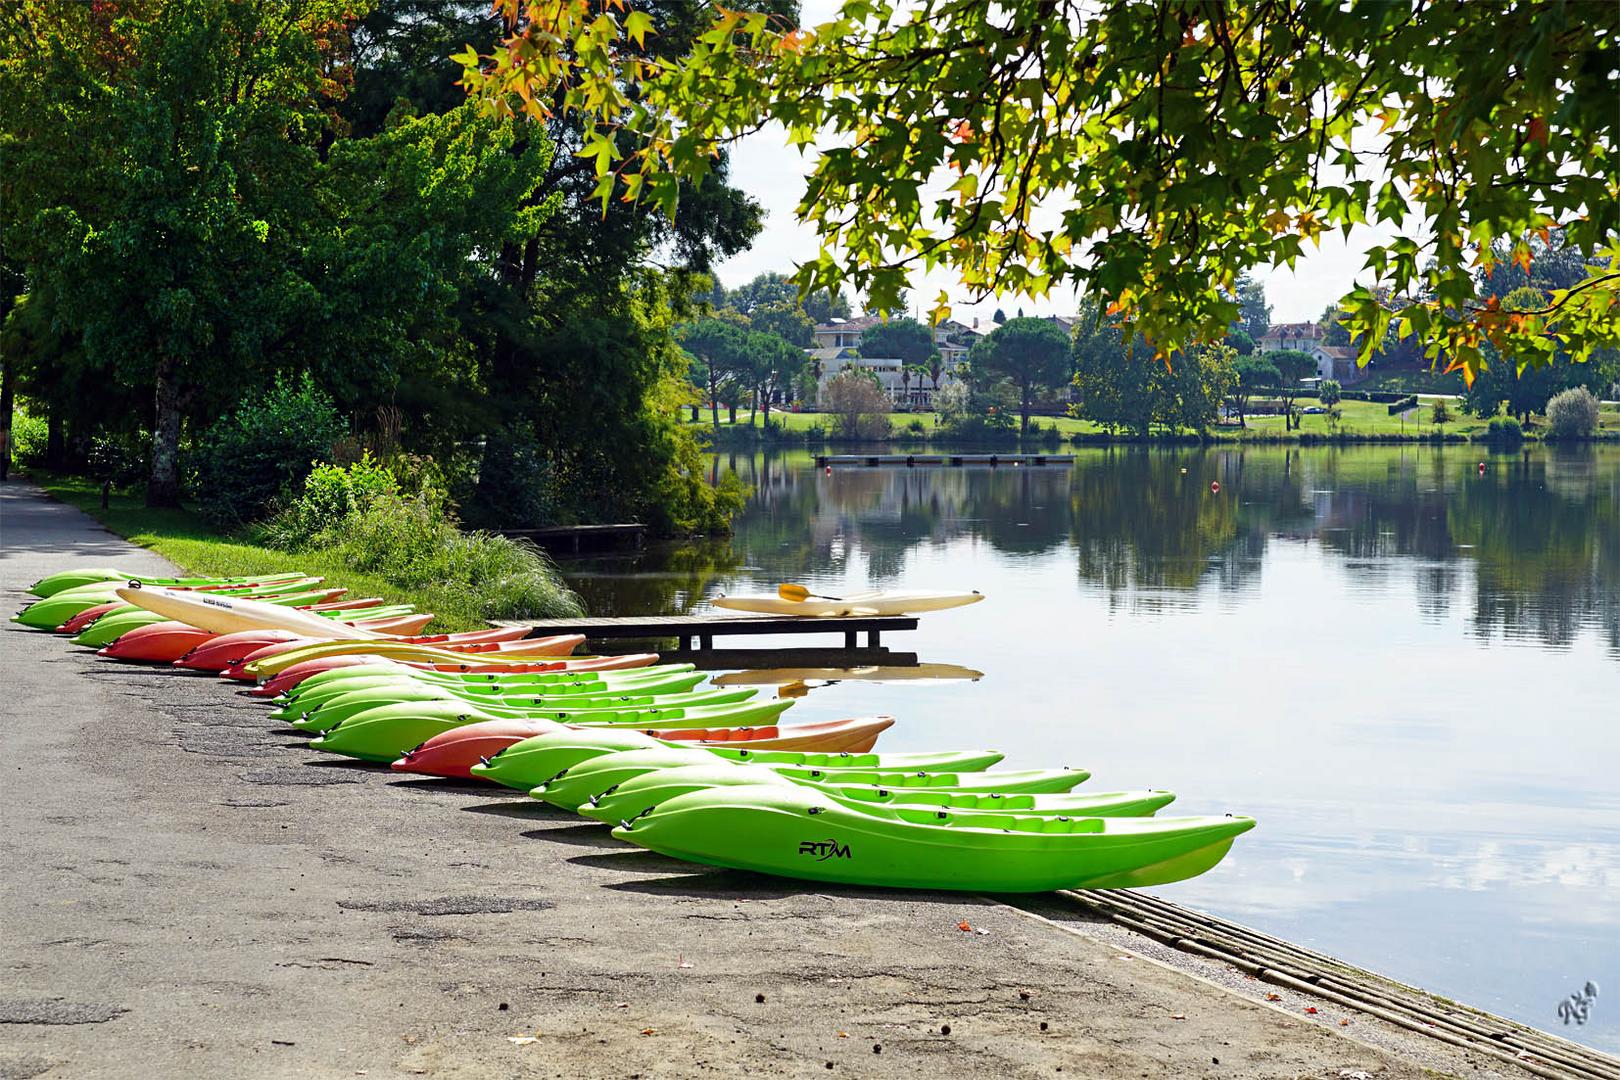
[773, 173]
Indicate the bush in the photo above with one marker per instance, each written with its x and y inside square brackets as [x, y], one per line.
[1439, 413]
[859, 406]
[916, 427]
[249, 458]
[408, 542]
[1505, 430]
[332, 494]
[1573, 414]
[28, 437]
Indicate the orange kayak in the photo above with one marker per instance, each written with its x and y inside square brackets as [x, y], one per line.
[453, 753]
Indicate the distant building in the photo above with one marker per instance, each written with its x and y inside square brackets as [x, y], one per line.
[1332, 361]
[838, 347]
[1279, 336]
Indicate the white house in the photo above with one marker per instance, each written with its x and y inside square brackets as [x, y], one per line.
[1332, 361]
[838, 347]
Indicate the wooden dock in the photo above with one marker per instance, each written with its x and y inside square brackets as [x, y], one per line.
[915, 460]
[703, 629]
[577, 538]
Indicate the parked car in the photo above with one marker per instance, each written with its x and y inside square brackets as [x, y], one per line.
[1313, 410]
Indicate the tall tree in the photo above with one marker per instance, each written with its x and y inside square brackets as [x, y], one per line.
[719, 348]
[1294, 366]
[906, 340]
[1255, 374]
[1254, 313]
[165, 254]
[1032, 353]
[1176, 145]
[769, 364]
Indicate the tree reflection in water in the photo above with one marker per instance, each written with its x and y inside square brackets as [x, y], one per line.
[1532, 543]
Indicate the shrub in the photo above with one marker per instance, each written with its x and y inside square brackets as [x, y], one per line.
[1573, 413]
[29, 434]
[1504, 429]
[409, 542]
[1440, 414]
[332, 494]
[859, 406]
[916, 427]
[262, 449]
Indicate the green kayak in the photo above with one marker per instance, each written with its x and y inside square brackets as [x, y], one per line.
[798, 832]
[633, 797]
[387, 731]
[70, 579]
[574, 786]
[502, 706]
[59, 607]
[629, 677]
[294, 705]
[534, 761]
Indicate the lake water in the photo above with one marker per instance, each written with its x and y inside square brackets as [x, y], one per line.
[1407, 669]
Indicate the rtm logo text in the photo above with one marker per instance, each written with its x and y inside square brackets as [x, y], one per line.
[824, 849]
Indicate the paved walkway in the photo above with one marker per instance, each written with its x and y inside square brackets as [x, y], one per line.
[187, 891]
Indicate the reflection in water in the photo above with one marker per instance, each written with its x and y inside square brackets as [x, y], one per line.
[1404, 667]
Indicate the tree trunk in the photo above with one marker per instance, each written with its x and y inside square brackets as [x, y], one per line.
[1023, 415]
[765, 400]
[163, 489]
[714, 400]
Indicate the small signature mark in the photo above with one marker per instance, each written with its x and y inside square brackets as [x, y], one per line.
[1578, 1006]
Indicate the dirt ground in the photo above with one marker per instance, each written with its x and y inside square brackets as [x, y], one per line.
[186, 890]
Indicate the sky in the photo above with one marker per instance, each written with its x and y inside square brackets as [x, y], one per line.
[772, 172]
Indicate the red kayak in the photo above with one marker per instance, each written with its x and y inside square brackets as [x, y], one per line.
[453, 753]
[286, 680]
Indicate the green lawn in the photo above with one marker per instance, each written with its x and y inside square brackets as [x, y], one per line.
[1357, 418]
[186, 540]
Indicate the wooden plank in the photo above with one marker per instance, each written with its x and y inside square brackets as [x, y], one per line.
[710, 626]
[910, 460]
[791, 657]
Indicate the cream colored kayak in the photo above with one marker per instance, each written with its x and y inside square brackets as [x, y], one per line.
[229, 614]
[862, 603]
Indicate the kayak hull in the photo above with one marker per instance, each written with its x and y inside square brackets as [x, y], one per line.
[455, 752]
[574, 786]
[538, 760]
[226, 614]
[384, 733]
[639, 795]
[795, 832]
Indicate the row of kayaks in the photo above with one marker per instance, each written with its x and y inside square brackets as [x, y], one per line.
[709, 773]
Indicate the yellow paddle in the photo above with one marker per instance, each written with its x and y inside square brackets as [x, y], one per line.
[799, 594]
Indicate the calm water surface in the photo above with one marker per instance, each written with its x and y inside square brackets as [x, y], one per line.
[1407, 670]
